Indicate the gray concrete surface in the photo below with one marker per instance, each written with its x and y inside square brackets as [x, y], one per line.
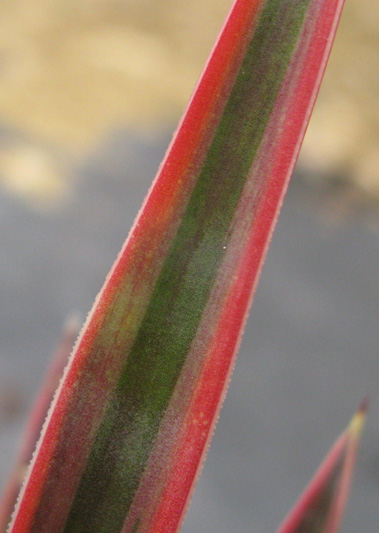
[309, 355]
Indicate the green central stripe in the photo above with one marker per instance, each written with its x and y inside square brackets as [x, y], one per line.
[316, 516]
[126, 436]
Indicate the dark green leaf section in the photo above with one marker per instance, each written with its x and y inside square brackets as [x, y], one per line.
[316, 517]
[136, 526]
[127, 434]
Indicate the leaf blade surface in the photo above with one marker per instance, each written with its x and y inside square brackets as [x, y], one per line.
[132, 419]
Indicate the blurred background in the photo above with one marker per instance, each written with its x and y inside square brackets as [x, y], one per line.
[90, 93]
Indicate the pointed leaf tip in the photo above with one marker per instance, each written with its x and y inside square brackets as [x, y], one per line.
[357, 422]
[321, 506]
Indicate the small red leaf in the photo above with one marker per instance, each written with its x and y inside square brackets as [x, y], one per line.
[37, 418]
[320, 508]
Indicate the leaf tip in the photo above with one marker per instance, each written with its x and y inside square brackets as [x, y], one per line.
[358, 421]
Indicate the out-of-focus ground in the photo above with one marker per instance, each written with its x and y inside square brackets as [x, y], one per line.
[89, 93]
[72, 72]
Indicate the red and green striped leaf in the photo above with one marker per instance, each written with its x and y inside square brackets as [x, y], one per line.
[320, 508]
[132, 419]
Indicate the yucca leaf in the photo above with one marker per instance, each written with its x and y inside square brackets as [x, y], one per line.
[36, 420]
[131, 422]
[320, 508]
